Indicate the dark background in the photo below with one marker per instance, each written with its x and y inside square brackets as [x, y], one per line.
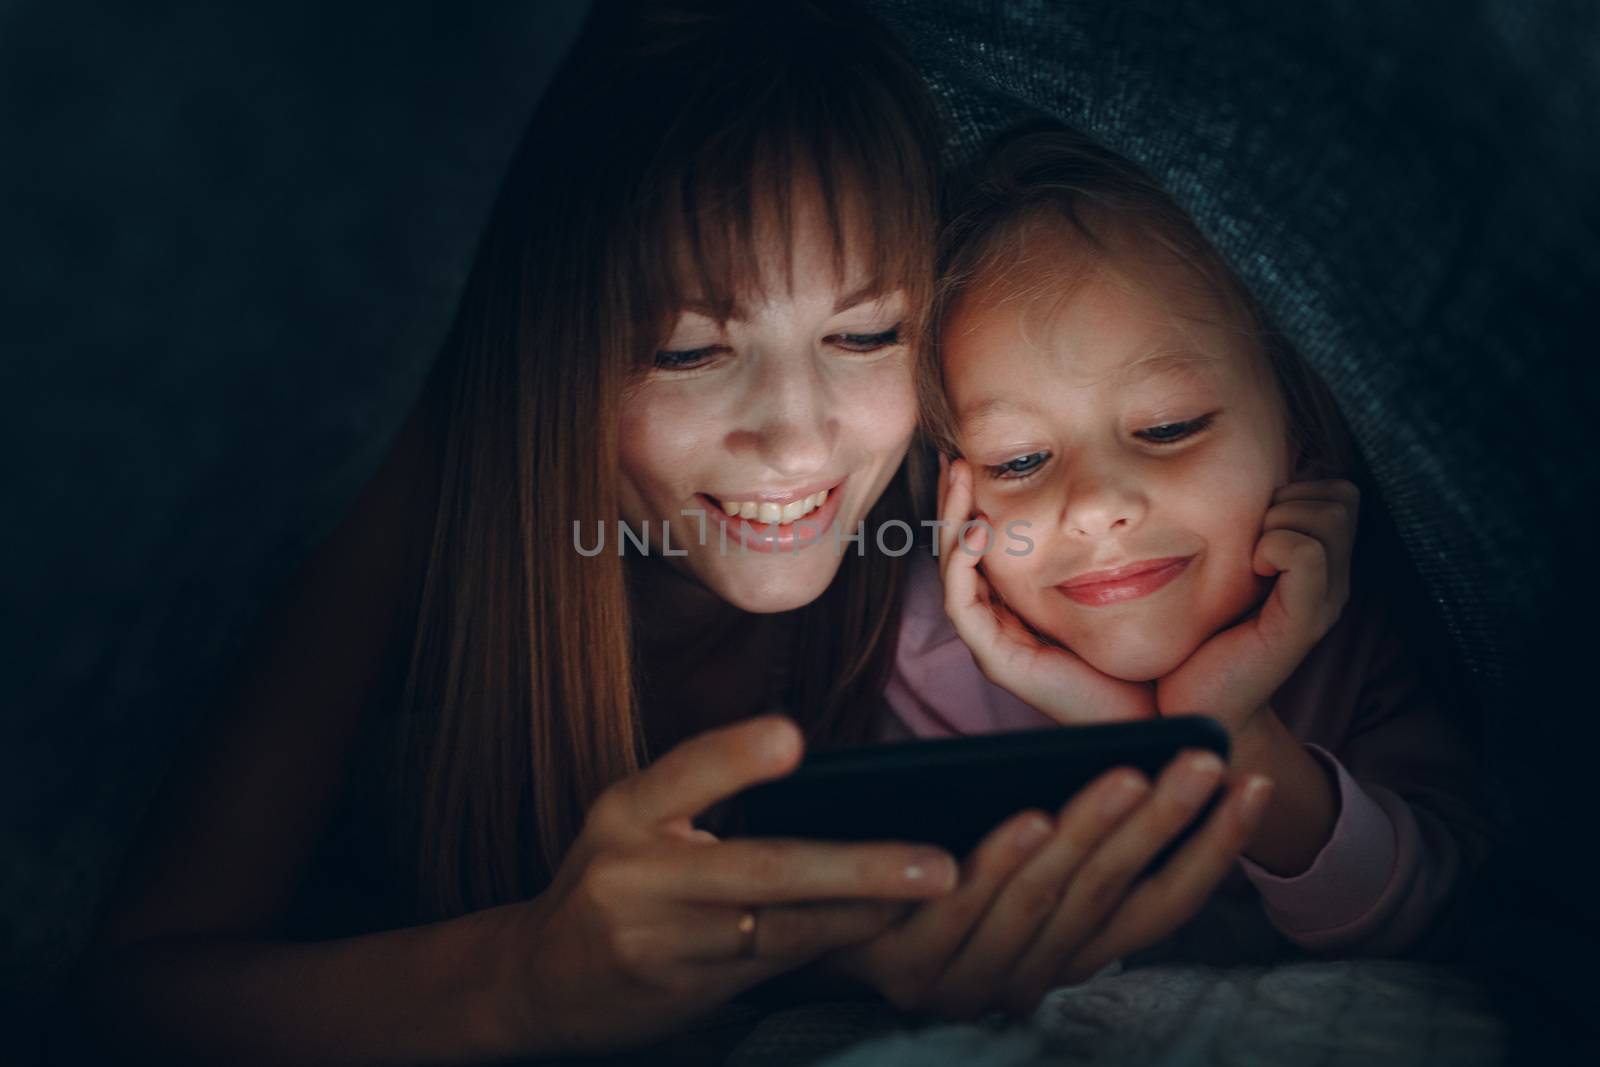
[233, 237]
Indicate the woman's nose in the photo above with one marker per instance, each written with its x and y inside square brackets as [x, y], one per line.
[788, 420]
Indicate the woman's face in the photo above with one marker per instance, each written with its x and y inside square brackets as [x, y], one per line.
[763, 442]
[1137, 438]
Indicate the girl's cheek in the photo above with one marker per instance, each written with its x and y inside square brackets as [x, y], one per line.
[1000, 509]
[1008, 574]
[1017, 533]
[985, 499]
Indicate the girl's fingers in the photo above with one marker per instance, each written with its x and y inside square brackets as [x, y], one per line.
[993, 956]
[1164, 902]
[1339, 489]
[961, 569]
[966, 594]
[695, 775]
[1331, 523]
[1326, 520]
[956, 538]
[1301, 564]
[762, 871]
[955, 510]
[944, 484]
[966, 604]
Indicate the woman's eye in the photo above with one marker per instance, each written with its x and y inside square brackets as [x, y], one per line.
[685, 359]
[1172, 432]
[1020, 467]
[866, 342]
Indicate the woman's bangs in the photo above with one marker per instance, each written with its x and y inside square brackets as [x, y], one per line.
[853, 162]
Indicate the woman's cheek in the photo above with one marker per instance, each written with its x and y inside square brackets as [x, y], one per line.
[871, 407]
[660, 432]
[878, 409]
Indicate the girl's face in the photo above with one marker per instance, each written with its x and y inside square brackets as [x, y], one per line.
[794, 415]
[1133, 434]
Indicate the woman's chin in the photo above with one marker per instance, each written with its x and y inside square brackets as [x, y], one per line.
[778, 589]
[771, 605]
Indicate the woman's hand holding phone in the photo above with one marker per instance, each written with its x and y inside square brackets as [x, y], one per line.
[649, 912]
[1042, 902]
[1042, 674]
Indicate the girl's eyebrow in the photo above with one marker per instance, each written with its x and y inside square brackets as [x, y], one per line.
[990, 407]
[1165, 361]
[1162, 361]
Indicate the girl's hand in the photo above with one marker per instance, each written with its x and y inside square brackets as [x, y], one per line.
[1037, 672]
[1308, 534]
[1042, 904]
[647, 923]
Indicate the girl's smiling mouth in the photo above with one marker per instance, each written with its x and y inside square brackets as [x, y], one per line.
[1117, 585]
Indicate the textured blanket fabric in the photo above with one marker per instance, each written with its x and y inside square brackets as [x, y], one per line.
[1373, 1014]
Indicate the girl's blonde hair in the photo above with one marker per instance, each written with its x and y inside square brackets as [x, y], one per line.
[1048, 174]
[670, 127]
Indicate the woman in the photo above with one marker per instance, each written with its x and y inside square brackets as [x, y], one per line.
[697, 294]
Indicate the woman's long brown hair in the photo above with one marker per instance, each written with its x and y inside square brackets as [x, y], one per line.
[668, 128]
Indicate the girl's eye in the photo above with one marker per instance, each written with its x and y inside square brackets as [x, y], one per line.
[685, 359]
[1169, 433]
[866, 342]
[1020, 467]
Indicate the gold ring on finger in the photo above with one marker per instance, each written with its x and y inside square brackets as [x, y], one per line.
[747, 933]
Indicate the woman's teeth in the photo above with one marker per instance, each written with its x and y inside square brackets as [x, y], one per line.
[770, 513]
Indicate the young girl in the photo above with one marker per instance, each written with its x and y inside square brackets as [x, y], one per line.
[1149, 517]
[694, 306]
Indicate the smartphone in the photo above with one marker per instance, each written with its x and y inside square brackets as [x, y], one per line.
[952, 792]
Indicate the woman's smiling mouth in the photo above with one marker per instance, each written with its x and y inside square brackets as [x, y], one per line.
[775, 521]
[768, 511]
[1117, 585]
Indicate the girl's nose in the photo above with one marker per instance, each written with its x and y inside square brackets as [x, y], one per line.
[1100, 506]
[787, 419]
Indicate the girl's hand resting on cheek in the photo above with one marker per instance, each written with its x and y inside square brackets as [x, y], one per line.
[648, 912]
[1036, 671]
[1043, 904]
[1307, 537]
